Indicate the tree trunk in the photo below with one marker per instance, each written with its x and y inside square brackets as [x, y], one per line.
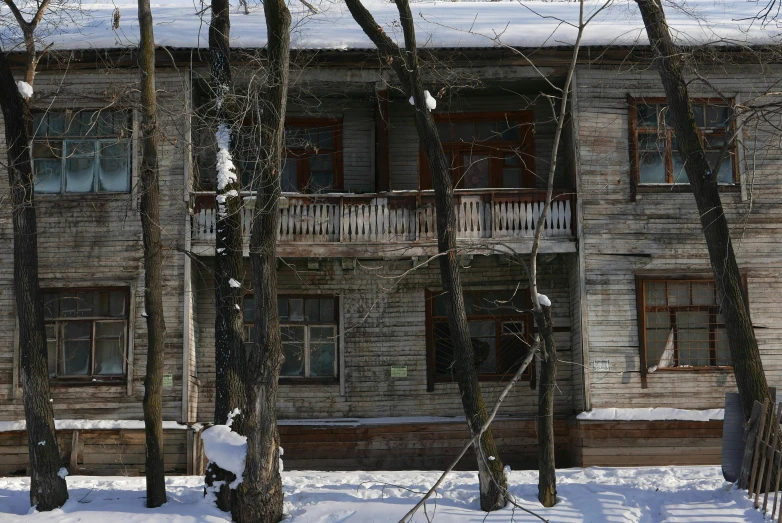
[260, 496]
[229, 258]
[547, 473]
[493, 484]
[47, 489]
[747, 365]
[153, 264]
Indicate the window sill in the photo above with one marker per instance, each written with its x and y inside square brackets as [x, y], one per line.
[693, 369]
[485, 377]
[308, 381]
[85, 382]
[81, 195]
[680, 188]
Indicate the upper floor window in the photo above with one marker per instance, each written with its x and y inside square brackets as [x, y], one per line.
[312, 162]
[500, 328]
[486, 150]
[680, 325]
[81, 152]
[86, 332]
[655, 154]
[309, 329]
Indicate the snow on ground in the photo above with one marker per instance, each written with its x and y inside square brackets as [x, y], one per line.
[615, 495]
[652, 414]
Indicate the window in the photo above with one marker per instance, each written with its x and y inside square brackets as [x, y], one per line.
[313, 156]
[82, 152]
[86, 332]
[680, 325]
[655, 154]
[500, 325]
[308, 325]
[486, 150]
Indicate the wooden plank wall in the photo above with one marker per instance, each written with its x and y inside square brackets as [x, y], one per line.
[660, 234]
[646, 443]
[385, 326]
[98, 452]
[94, 240]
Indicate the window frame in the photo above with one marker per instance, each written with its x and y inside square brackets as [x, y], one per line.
[97, 140]
[306, 325]
[457, 149]
[303, 155]
[634, 130]
[430, 319]
[640, 292]
[60, 321]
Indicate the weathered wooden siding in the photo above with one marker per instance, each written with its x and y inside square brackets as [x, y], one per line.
[94, 240]
[384, 326]
[660, 233]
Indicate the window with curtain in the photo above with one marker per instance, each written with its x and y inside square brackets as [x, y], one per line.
[81, 152]
[681, 325]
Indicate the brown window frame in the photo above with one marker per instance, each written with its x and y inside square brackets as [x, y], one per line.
[433, 377]
[642, 309]
[524, 147]
[634, 146]
[246, 325]
[303, 155]
[59, 321]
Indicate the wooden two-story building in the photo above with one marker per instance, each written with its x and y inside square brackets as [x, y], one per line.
[367, 381]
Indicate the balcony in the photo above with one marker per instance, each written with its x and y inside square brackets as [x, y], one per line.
[399, 224]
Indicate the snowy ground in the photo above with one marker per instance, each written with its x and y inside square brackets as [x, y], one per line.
[615, 495]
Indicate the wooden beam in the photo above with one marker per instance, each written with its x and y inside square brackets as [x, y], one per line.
[382, 143]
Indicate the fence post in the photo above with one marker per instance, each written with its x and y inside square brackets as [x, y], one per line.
[750, 435]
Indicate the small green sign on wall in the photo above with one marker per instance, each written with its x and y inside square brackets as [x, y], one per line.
[168, 381]
[398, 371]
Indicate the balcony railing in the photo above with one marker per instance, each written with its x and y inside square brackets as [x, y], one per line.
[406, 217]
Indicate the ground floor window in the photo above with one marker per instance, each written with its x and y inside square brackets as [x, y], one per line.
[500, 325]
[680, 325]
[86, 332]
[309, 331]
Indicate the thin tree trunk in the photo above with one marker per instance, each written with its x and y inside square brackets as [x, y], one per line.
[747, 365]
[153, 264]
[47, 489]
[229, 263]
[547, 473]
[492, 480]
[260, 496]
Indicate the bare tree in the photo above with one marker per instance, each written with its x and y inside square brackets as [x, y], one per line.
[48, 489]
[229, 337]
[260, 496]
[492, 480]
[747, 365]
[153, 264]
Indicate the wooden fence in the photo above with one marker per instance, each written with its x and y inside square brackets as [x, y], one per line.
[762, 462]
[402, 217]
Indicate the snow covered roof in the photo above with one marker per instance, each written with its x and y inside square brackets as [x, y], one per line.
[468, 24]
